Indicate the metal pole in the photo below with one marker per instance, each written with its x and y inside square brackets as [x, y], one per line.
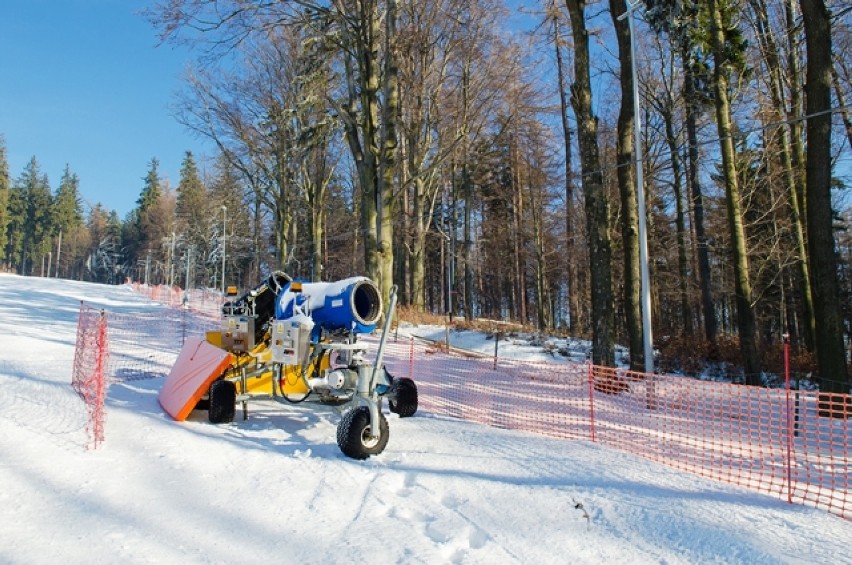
[188, 268]
[786, 338]
[172, 262]
[58, 255]
[647, 333]
[224, 219]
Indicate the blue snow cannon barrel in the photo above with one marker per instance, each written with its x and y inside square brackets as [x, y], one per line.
[353, 304]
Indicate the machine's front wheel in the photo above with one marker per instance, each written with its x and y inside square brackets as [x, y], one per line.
[403, 397]
[354, 434]
[223, 402]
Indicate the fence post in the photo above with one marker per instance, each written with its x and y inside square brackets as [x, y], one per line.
[100, 381]
[183, 324]
[88, 378]
[650, 391]
[591, 399]
[496, 344]
[786, 338]
[411, 357]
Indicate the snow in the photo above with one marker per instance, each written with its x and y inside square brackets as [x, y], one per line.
[275, 488]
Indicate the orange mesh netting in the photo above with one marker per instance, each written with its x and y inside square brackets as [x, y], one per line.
[786, 443]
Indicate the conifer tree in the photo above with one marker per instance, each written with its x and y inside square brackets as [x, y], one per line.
[4, 197]
[67, 219]
[193, 212]
[67, 205]
[30, 222]
[143, 224]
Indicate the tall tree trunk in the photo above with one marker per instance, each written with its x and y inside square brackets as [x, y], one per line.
[418, 251]
[680, 219]
[405, 244]
[316, 240]
[627, 190]
[841, 103]
[387, 164]
[570, 283]
[771, 56]
[831, 356]
[367, 159]
[452, 203]
[542, 303]
[517, 239]
[360, 118]
[742, 281]
[596, 203]
[467, 193]
[467, 188]
[708, 307]
[794, 78]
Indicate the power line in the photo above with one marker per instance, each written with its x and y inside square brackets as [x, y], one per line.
[739, 134]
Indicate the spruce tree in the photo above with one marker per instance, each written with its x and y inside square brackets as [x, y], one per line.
[30, 223]
[142, 224]
[4, 197]
[194, 220]
[67, 205]
[67, 220]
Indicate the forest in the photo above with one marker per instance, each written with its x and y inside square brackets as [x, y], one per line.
[595, 168]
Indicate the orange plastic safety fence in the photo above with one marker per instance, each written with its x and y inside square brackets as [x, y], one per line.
[89, 371]
[549, 399]
[791, 444]
[121, 346]
[145, 345]
[204, 301]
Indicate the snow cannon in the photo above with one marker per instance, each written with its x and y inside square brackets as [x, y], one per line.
[246, 319]
[350, 305]
[291, 342]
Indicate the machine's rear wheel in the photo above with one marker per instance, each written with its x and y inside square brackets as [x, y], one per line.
[353, 434]
[403, 397]
[223, 402]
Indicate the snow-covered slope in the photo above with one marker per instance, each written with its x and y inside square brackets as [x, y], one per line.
[276, 488]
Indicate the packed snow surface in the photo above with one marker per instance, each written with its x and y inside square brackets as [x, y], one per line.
[276, 488]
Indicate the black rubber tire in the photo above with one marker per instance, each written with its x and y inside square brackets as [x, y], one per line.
[223, 402]
[403, 397]
[353, 434]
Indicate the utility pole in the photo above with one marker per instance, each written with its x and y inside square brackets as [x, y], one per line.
[58, 255]
[188, 269]
[647, 335]
[224, 219]
[172, 262]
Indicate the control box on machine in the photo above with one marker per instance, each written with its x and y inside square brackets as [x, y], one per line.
[238, 333]
[290, 342]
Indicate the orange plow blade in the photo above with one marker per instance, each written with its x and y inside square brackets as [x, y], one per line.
[198, 365]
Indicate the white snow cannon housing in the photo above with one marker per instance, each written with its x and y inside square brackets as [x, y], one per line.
[307, 350]
[351, 305]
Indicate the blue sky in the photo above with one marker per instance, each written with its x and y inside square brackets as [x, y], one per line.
[84, 82]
